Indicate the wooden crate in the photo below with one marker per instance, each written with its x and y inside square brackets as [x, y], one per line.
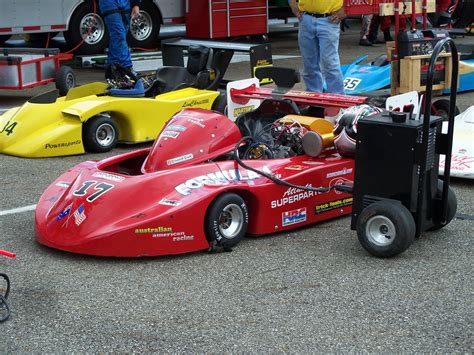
[388, 8]
[406, 73]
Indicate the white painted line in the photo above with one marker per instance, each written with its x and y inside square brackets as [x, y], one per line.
[18, 210]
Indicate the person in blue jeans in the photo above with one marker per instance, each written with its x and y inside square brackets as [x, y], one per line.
[116, 14]
[318, 39]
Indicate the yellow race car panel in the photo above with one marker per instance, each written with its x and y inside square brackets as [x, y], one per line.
[52, 129]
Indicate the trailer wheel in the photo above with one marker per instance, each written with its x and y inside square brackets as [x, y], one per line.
[99, 134]
[65, 80]
[441, 108]
[144, 30]
[385, 228]
[452, 206]
[84, 24]
[220, 104]
[226, 222]
[4, 38]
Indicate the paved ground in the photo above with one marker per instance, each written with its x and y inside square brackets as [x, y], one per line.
[311, 290]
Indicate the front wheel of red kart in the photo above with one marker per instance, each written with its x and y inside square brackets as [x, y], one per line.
[99, 134]
[385, 228]
[226, 222]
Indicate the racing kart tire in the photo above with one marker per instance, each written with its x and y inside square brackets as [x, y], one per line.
[99, 134]
[4, 38]
[220, 104]
[385, 228]
[226, 222]
[452, 206]
[65, 80]
[144, 30]
[82, 22]
[441, 108]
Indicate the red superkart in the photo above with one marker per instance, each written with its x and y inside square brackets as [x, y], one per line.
[204, 184]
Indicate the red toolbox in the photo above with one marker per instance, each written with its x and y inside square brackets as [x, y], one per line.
[226, 18]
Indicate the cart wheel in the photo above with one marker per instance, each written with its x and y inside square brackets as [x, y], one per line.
[385, 228]
[99, 134]
[65, 80]
[452, 206]
[441, 108]
[226, 222]
[144, 30]
[220, 104]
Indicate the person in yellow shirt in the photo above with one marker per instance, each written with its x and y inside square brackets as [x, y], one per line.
[318, 39]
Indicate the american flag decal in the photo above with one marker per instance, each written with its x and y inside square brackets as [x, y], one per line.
[79, 214]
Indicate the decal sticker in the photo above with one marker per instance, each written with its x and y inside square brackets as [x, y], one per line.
[175, 127]
[183, 238]
[339, 173]
[153, 230]
[170, 134]
[63, 184]
[80, 215]
[64, 213]
[180, 159]
[167, 202]
[219, 178]
[107, 176]
[332, 205]
[351, 83]
[293, 217]
[197, 122]
[8, 128]
[240, 110]
[313, 162]
[293, 195]
[195, 103]
[61, 145]
[101, 188]
[295, 167]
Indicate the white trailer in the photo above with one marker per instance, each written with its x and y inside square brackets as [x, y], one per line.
[79, 19]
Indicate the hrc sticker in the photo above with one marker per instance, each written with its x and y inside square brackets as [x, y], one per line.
[293, 216]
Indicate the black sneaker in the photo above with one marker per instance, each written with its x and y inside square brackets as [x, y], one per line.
[365, 42]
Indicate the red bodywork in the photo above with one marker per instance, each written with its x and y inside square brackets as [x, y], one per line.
[153, 202]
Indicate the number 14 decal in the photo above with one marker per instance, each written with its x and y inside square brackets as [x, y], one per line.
[100, 188]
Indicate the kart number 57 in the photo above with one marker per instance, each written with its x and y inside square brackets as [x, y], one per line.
[351, 83]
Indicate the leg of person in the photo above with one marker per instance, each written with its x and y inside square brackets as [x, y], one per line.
[328, 34]
[309, 48]
[385, 24]
[445, 9]
[374, 30]
[118, 48]
[365, 29]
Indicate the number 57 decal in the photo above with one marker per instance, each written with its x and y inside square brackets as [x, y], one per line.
[100, 189]
[351, 83]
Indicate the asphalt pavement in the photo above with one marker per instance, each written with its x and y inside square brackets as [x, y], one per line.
[310, 290]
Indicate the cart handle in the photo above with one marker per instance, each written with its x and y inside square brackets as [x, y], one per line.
[426, 122]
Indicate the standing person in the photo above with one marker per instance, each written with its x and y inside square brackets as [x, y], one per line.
[116, 14]
[318, 39]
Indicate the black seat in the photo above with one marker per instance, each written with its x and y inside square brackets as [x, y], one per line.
[197, 72]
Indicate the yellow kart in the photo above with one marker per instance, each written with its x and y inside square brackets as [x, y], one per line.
[94, 118]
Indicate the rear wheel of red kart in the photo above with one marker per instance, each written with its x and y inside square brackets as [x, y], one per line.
[99, 134]
[226, 222]
[441, 108]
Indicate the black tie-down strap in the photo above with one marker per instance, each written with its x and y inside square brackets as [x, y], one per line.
[4, 309]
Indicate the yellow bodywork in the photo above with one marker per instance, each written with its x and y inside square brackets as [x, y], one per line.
[54, 129]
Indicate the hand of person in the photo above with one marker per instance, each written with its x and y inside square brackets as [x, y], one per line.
[338, 15]
[135, 12]
[295, 9]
